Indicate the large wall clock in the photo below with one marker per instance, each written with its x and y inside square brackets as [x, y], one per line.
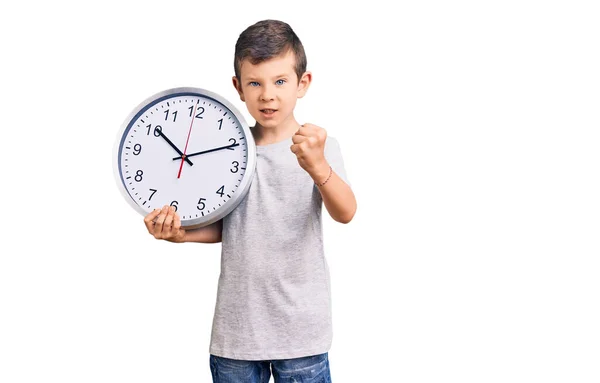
[185, 147]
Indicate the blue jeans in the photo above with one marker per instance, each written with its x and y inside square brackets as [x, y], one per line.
[309, 369]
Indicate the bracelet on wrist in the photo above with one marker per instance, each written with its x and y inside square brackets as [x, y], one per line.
[328, 177]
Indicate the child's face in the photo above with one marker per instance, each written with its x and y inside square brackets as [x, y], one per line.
[270, 89]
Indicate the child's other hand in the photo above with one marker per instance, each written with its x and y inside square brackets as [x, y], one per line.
[165, 224]
[309, 147]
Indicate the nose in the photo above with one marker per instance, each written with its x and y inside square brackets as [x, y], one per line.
[267, 94]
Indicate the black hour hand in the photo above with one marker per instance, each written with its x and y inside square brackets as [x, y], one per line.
[173, 146]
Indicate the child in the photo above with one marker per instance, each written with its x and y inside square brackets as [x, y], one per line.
[273, 307]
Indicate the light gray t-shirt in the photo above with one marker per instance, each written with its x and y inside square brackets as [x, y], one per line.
[274, 296]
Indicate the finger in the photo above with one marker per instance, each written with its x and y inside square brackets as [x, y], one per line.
[295, 148]
[168, 221]
[176, 222]
[309, 130]
[149, 220]
[177, 226]
[298, 138]
[305, 130]
[158, 226]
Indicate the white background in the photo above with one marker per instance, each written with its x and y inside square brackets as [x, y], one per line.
[470, 133]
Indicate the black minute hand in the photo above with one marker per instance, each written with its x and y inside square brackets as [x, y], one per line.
[174, 147]
[206, 151]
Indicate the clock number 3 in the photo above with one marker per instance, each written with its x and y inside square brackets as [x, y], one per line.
[235, 166]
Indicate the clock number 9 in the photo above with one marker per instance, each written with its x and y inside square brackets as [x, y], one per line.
[157, 130]
[200, 202]
[137, 149]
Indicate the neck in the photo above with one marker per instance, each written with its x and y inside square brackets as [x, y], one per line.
[269, 135]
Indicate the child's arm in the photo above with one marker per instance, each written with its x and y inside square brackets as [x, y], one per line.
[337, 196]
[206, 234]
[165, 224]
[309, 148]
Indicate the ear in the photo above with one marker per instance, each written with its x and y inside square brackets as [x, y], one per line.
[304, 83]
[238, 87]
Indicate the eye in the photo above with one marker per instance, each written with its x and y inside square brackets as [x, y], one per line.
[253, 83]
[280, 82]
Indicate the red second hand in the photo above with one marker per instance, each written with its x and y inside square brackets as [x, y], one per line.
[186, 143]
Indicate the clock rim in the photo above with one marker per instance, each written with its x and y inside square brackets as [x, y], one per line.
[238, 196]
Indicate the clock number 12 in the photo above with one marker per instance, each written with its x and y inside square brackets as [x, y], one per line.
[199, 115]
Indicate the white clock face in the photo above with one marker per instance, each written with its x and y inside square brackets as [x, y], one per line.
[188, 148]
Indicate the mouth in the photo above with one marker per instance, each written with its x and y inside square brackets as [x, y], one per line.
[268, 112]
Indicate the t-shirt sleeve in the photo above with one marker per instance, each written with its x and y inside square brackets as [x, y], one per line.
[333, 155]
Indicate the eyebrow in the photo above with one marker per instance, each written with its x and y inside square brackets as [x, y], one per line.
[278, 76]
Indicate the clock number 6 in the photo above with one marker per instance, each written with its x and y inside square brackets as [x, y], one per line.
[174, 203]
